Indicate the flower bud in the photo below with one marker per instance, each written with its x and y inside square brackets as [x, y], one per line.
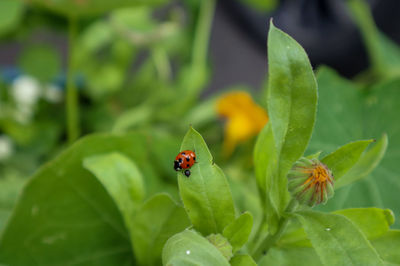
[310, 182]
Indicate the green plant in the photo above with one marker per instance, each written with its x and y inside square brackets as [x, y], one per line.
[99, 202]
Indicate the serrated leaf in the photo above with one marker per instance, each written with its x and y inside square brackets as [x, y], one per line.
[242, 260]
[190, 248]
[367, 162]
[336, 240]
[238, 231]
[292, 102]
[206, 193]
[66, 216]
[341, 160]
[156, 221]
[121, 178]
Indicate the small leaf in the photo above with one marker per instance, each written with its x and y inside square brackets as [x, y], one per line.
[336, 240]
[205, 194]
[156, 221]
[121, 178]
[190, 248]
[373, 222]
[388, 246]
[341, 160]
[292, 103]
[367, 162]
[239, 230]
[242, 260]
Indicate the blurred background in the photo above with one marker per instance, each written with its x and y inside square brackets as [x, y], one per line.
[69, 68]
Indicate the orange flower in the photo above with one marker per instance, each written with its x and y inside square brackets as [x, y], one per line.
[244, 118]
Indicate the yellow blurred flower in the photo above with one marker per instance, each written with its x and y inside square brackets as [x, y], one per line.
[244, 118]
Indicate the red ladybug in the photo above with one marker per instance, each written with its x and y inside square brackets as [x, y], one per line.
[185, 160]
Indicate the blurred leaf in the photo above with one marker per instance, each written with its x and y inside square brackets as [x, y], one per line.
[238, 231]
[367, 162]
[66, 216]
[121, 178]
[336, 240]
[261, 5]
[292, 103]
[11, 12]
[344, 114]
[131, 118]
[42, 62]
[345, 157]
[388, 247]
[242, 260]
[373, 222]
[383, 53]
[289, 256]
[206, 193]
[9, 191]
[76, 8]
[190, 248]
[156, 221]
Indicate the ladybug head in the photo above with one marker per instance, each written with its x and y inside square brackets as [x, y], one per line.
[177, 165]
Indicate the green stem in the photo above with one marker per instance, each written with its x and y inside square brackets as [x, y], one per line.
[72, 94]
[271, 239]
[203, 32]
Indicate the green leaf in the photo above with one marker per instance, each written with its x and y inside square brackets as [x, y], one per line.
[292, 103]
[388, 246]
[239, 230]
[190, 248]
[40, 61]
[66, 216]
[373, 222]
[341, 160]
[11, 12]
[9, 191]
[73, 8]
[367, 162]
[242, 260]
[265, 165]
[336, 240]
[205, 194]
[121, 178]
[345, 113]
[289, 256]
[156, 221]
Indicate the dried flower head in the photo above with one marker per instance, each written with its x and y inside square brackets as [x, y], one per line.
[311, 182]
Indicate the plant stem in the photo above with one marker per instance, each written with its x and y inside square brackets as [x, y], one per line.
[271, 239]
[203, 32]
[72, 94]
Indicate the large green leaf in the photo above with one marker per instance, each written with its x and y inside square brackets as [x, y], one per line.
[156, 221]
[344, 158]
[190, 248]
[10, 15]
[289, 256]
[66, 216]
[9, 191]
[121, 178]
[388, 247]
[73, 8]
[239, 230]
[292, 103]
[242, 260]
[206, 193]
[345, 113]
[336, 240]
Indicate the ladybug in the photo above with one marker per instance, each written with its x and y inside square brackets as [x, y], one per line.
[185, 160]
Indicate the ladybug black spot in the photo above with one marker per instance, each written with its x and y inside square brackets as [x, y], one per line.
[194, 158]
[187, 159]
[187, 165]
[183, 153]
[180, 160]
